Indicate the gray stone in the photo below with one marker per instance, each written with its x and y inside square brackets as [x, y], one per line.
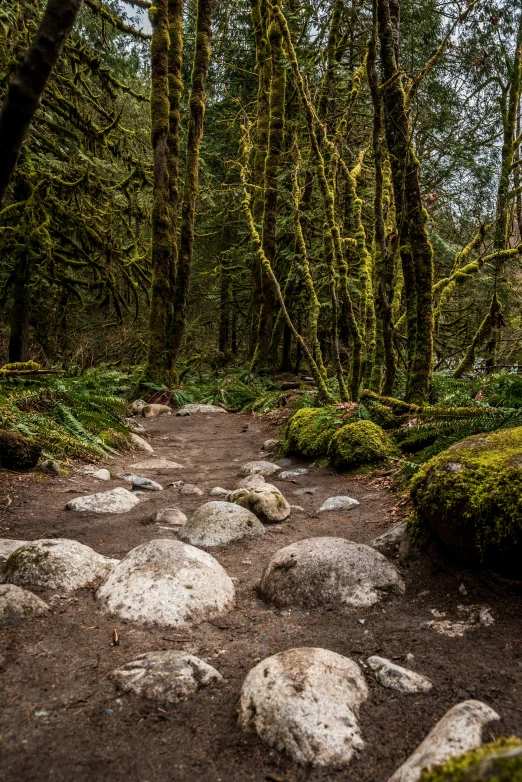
[140, 443]
[266, 469]
[220, 523]
[7, 546]
[217, 491]
[288, 474]
[388, 543]
[251, 482]
[305, 702]
[57, 563]
[338, 503]
[137, 406]
[173, 516]
[140, 482]
[17, 603]
[265, 501]
[117, 500]
[459, 731]
[270, 445]
[284, 462]
[306, 490]
[394, 677]
[328, 571]
[183, 413]
[190, 489]
[152, 411]
[196, 408]
[134, 425]
[51, 467]
[297, 508]
[168, 583]
[156, 464]
[165, 677]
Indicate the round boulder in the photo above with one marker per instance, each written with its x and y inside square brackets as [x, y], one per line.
[500, 761]
[118, 500]
[251, 482]
[266, 469]
[359, 443]
[168, 583]
[305, 702]
[56, 564]
[192, 408]
[219, 523]
[165, 676]
[470, 496]
[266, 501]
[17, 603]
[328, 571]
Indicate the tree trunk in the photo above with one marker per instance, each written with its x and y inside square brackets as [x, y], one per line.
[195, 134]
[19, 338]
[25, 90]
[156, 368]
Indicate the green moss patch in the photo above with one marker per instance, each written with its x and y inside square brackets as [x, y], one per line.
[500, 761]
[471, 497]
[311, 429]
[360, 443]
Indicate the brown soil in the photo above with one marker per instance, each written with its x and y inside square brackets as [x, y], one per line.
[61, 718]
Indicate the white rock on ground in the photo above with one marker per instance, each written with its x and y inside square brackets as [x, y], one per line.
[134, 425]
[140, 443]
[93, 471]
[173, 516]
[195, 408]
[305, 702]
[220, 523]
[137, 406]
[394, 677]
[17, 603]
[151, 411]
[156, 464]
[288, 474]
[251, 482]
[459, 731]
[140, 482]
[165, 677]
[117, 500]
[270, 445]
[338, 503]
[217, 491]
[388, 542]
[265, 501]
[266, 469]
[57, 563]
[325, 571]
[191, 489]
[168, 583]
[7, 546]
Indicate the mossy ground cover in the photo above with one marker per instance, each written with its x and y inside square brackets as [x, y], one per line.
[500, 761]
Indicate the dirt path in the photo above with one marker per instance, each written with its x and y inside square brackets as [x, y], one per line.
[61, 718]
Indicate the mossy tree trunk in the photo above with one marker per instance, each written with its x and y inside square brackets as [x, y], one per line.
[260, 24]
[384, 261]
[156, 367]
[25, 91]
[415, 249]
[20, 318]
[195, 134]
[274, 152]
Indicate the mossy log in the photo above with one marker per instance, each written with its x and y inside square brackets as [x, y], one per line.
[471, 497]
[17, 452]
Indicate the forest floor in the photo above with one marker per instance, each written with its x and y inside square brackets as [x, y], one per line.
[61, 719]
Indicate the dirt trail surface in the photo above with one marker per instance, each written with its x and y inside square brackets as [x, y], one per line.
[61, 718]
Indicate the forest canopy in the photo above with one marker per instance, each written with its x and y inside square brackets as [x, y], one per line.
[331, 189]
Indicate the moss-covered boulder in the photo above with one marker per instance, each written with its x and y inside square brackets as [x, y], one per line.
[360, 443]
[471, 497]
[497, 762]
[311, 429]
[17, 452]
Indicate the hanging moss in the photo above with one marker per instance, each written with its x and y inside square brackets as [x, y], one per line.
[500, 761]
[360, 443]
[471, 497]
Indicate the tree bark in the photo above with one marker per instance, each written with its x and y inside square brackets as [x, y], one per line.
[20, 320]
[25, 91]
